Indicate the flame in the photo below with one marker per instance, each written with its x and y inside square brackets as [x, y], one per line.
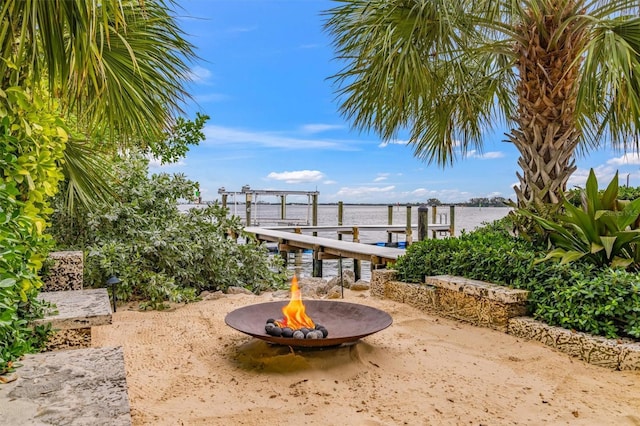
[294, 313]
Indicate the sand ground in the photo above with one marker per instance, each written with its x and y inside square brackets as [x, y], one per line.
[185, 366]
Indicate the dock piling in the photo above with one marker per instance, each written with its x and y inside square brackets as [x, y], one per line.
[423, 222]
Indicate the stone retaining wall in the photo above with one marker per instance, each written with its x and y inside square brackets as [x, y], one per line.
[66, 271]
[619, 354]
[480, 303]
[501, 308]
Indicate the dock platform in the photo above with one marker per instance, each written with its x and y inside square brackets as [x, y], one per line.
[291, 239]
[327, 248]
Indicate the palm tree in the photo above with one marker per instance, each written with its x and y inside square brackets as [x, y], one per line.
[564, 75]
[114, 64]
[72, 71]
[117, 68]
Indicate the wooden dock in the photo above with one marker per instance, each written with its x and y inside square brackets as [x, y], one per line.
[291, 239]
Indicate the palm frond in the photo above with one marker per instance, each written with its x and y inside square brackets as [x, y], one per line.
[609, 93]
[420, 66]
[87, 174]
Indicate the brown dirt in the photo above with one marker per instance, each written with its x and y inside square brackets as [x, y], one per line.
[185, 366]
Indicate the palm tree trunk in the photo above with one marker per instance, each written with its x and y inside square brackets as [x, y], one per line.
[547, 133]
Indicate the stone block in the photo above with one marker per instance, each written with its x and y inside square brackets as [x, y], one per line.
[77, 309]
[74, 338]
[479, 288]
[610, 353]
[66, 271]
[629, 356]
[76, 387]
[379, 279]
[420, 296]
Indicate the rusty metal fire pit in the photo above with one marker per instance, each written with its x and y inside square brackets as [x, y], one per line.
[346, 322]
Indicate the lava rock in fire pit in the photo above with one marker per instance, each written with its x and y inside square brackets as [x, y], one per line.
[323, 330]
[272, 329]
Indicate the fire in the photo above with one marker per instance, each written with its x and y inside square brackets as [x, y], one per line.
[294, 313]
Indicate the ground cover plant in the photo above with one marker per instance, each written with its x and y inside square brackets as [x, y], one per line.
[55, 96]
[579, 296]
[158, 252]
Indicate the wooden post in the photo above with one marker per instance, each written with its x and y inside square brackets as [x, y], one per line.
[315, 213]
[283, 207]
[340, 211]
[452, 220]
[317, 263]
[224, 200]
[283, 253]
[408, 230]
[433, 220]
[389, 222]
[247, 208]
[357, 267]
[423, 222]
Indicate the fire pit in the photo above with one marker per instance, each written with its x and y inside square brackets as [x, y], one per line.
[328, 323]
[345, 322]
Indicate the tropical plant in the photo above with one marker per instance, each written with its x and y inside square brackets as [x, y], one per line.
[562, 74]
[577, 296]
[158, 252]
[32, 140]
[72, 71]
[603, 230]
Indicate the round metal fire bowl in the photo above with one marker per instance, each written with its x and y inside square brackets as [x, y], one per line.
[346, 322]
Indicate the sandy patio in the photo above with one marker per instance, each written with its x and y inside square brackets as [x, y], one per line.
[185, 366]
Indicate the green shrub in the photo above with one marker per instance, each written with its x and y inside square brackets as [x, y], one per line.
[32, 141]
[490, 253]
[577, 296]
[158, 252]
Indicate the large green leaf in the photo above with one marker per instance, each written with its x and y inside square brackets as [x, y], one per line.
[608, 243]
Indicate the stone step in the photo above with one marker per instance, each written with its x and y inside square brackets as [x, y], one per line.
[77, 308]
[74, 387]
[478, 288]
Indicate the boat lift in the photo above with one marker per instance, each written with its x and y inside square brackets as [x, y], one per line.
[251, 200]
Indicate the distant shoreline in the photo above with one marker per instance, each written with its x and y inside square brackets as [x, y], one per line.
[351, 204]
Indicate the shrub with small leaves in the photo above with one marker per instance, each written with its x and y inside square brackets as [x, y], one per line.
[158, 252]
[578, 296]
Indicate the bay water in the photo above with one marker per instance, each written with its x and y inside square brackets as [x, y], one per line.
[466, 219]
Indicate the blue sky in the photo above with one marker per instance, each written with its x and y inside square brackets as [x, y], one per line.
[275, 124]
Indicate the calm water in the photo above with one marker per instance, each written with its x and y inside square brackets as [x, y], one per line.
[466, 218]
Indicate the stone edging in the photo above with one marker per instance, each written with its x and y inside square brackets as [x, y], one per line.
[489, 305]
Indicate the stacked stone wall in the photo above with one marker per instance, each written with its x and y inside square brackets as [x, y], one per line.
[501, 308]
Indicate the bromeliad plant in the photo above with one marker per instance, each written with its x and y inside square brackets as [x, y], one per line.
[603, 230]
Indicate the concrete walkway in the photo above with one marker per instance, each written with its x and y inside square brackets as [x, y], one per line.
[74, 387]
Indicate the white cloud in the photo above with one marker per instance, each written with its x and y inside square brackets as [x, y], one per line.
[330, 182]
[363, 191]
[299, 176]
[625, 160]
[383, 144]
[317, 128]
[604, 174]
[156, 163]
[381, 177]
[199, 74]
[444, 195]
[227, 135]
[492, 155]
